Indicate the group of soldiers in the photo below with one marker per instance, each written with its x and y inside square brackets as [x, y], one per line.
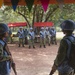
[65, 59]
[46, 35]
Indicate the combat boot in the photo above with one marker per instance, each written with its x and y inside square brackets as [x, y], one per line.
[44, 46]
[49, 44]
[33, 46]
[29, 47]
[40, 46]
[19, 45]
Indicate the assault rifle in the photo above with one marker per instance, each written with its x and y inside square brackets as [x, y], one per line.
[51, 72]
[12, 64]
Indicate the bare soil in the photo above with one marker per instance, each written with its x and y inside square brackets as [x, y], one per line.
[36, 61]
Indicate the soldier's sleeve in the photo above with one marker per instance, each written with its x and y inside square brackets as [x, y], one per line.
[2, 57]
[61, 53]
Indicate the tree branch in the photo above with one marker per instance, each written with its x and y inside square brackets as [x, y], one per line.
[24, 18]
[51, 13]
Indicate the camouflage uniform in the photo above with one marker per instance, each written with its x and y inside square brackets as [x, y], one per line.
[61, 56]
[48, 36]
[53, 36]
[61, 63]
[4, 63]
[42, 38]
[26, 34]
[10, 36]
[21, 37]
[31, 37]
[4, 56]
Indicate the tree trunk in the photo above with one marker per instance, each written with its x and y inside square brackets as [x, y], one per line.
[34, 15]
[42, 14]
[25, 18]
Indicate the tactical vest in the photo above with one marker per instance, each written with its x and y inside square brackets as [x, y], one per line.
[4, 65]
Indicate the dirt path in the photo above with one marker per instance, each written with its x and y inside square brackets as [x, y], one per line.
[33, 61]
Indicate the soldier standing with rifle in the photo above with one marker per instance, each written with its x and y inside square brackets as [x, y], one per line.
[63, 58]
[42, 37]
[12, 64]
[6, 60]
[48, 36]
[21, 36]
[31, 37]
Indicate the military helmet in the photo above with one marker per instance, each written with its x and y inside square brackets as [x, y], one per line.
[68, 25]
[3, 28]
[47, 28]
[20, 27]
[42, 28]
[31, 28]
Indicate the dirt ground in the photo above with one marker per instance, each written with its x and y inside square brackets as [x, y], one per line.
[36, 61]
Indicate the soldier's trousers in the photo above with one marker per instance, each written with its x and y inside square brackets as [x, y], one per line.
[42, 41]
[53, 40]
[10, 39]
[48, 39]
[31, 42]
[21, 41]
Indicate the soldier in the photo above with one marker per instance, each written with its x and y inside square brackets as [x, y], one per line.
[53, 36]
[48, 36]
[42, 38]
[26, 34]
[21, 36]
[10, 35]
[31, 37]
[62, 61]
[5, 58]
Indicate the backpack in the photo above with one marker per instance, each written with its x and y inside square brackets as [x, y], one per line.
[71, 53]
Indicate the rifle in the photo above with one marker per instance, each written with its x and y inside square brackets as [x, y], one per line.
[12, 64]
[51, 72]
[14, 68]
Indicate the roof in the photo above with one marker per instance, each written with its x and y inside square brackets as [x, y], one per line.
[43, 24]
[17, 24]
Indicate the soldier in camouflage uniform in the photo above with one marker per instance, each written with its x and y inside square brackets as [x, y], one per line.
[42, 38]
[4, 56]
[31, 37]
[21, 36]
[53, 36]
[48, 36]
[68, 27]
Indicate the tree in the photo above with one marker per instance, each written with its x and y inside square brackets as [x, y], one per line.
[37, 13]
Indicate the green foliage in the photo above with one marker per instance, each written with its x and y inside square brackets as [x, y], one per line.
[53, 13]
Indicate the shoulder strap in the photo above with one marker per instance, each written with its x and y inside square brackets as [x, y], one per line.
[2, 42]
[69, 48]
[69, 41]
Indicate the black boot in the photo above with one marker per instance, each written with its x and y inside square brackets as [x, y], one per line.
[55, 43]
[33, 46]
[19, 45]
[40, 46]
[49, 44]
[44, 46]
[22, 45]
[29, 47]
